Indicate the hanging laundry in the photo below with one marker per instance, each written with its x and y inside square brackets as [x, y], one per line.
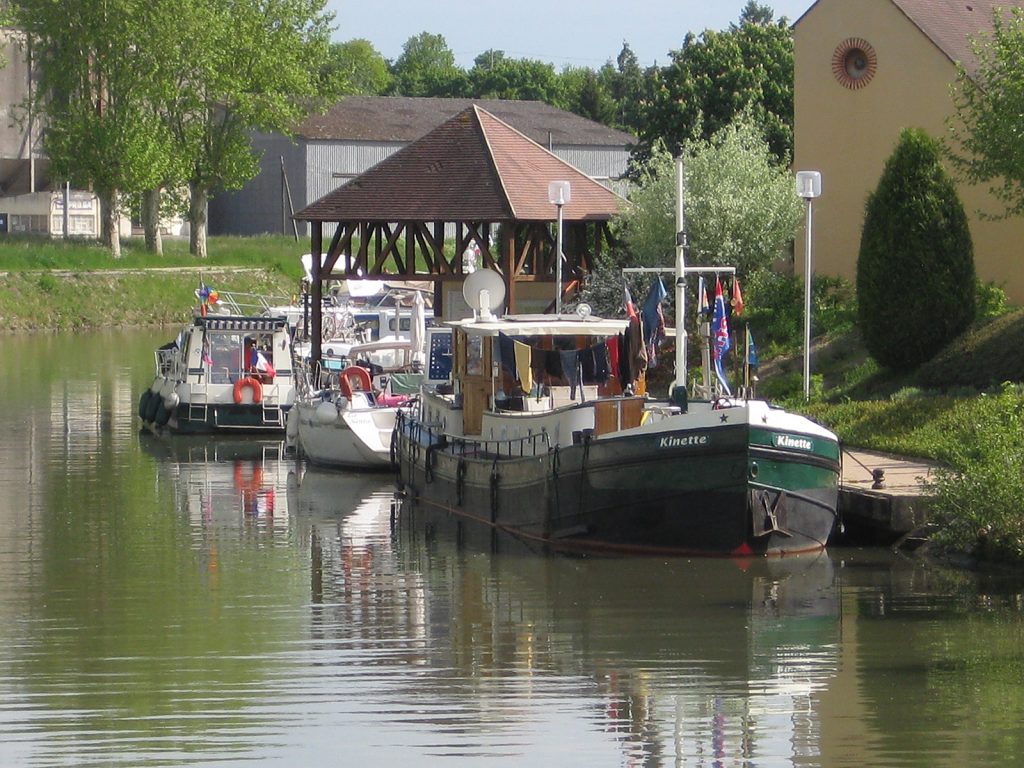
[522, 355]
[507, 354]
[654, 321]
[571, 369]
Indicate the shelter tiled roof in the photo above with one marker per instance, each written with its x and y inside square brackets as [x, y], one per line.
[404, 119]
[474, 167]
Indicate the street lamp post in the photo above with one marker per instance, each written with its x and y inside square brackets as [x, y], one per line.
[559, 193]
[808, 186]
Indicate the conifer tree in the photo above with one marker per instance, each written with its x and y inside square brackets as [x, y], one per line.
[915, 271]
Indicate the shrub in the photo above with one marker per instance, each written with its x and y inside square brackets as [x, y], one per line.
[979, 497]
[915, 270]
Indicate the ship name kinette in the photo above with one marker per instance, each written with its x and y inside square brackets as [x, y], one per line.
[678, 441]
[797, 443]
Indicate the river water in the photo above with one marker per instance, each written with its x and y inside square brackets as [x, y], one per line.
[197, 602]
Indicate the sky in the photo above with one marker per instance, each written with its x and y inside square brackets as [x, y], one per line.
[579, 33]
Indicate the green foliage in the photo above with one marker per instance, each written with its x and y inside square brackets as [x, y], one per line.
[741, 206]
[718, 75]
[587, 93]
[775, 309]
[979, 496]
[991, 300]
[427, 67]
[356, 67]
[96, 86]
[522, 79]
[647, 227]
[989, 102]
[991, 354]
[915, 270]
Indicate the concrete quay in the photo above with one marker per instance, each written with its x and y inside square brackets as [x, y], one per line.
[880, 497]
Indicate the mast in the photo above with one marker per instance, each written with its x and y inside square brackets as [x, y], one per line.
[680, 278]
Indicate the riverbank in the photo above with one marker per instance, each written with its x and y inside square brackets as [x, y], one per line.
[70, 300]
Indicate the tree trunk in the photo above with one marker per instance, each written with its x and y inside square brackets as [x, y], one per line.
[110, 230]
[151, 221]
[197, 213]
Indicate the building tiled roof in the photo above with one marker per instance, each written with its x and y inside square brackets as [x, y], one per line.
[950, 23]
[474, 167]
[404, 119]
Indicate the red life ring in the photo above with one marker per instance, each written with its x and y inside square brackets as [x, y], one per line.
[252, 383]
[362, 377]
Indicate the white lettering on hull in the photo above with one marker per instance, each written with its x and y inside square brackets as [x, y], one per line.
[680, 441]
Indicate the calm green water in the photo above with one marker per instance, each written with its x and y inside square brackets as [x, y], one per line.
[213, 603]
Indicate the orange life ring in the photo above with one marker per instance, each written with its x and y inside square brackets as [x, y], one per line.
[361, 375]
[251, 382]
[249, 483]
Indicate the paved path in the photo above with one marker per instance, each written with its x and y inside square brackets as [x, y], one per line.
[901, 475]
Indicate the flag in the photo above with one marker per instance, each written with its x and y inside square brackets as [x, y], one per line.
[751, 350]
[737, 297]
[627, 301]
[720, 335]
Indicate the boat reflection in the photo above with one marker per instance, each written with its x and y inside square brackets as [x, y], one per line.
[687, 659]
[224, 482]
[356, 586]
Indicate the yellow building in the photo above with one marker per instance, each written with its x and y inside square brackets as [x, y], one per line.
[864, 71]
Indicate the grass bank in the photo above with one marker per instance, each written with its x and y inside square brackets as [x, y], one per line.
[48, 285]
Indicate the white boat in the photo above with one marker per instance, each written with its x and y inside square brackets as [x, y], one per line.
[345, 413]
[204, 384]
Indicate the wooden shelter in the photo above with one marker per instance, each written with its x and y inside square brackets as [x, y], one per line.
[476, 176]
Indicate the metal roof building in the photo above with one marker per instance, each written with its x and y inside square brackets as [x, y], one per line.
[358, 132]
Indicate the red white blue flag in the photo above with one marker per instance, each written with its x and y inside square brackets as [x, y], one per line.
[720, 335]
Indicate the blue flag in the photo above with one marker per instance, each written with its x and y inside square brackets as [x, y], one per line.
[751, 350]
[720, 343]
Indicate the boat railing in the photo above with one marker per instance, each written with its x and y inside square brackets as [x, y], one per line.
[249, 304]
[167, 361]
[534, 444]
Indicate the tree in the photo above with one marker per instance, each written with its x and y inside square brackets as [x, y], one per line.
[518, 79]
[356, 67]
[584, 92]
[98, 80]
[915, 270]
[717, 75]
[742, 208]
[427, 68]
[241, 65]
[989, 103]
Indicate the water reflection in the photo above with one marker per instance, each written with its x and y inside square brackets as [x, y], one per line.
[200, 602]
[224, 482]
[674, 660]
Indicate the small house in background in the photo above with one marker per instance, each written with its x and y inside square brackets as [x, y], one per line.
[358, 132]
[864, 71]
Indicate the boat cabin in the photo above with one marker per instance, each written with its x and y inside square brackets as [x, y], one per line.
[515, 376]
[213, 349]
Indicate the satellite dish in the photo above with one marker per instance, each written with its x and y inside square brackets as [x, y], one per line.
[484, 290]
